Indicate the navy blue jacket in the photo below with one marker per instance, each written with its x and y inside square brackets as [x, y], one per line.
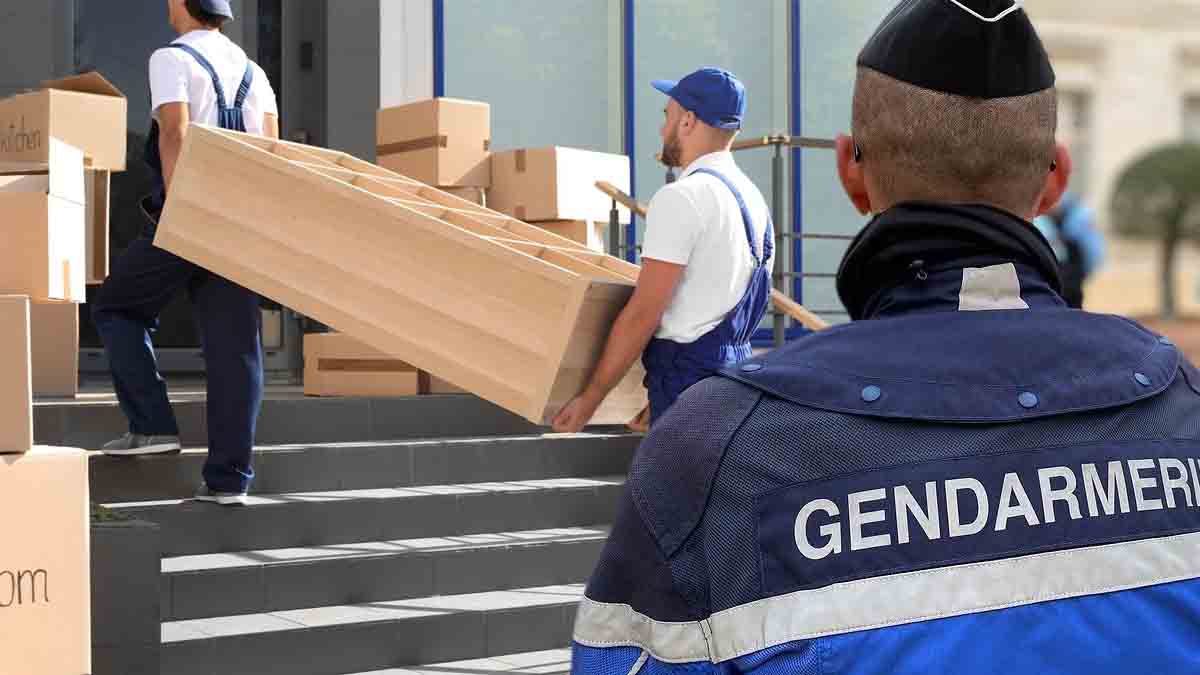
[932, 490]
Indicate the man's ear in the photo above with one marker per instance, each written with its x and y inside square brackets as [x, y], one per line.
[1057, 181]
[850, 171]
[687, 123]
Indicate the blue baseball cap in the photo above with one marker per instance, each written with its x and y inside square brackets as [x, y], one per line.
[218, 7]
[716, 97]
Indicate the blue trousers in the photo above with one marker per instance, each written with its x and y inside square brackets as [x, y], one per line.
[126, 311]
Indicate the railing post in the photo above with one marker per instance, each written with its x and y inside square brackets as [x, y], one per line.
[780, 258]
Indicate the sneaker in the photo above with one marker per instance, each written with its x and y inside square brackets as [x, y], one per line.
[135, 445]
[207, 494]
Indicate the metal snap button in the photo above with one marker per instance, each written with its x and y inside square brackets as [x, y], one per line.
[872, 394]
[1142, 379]
[1028, 400]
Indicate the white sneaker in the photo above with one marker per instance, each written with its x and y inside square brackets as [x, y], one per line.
[135, 445]
[206, 494]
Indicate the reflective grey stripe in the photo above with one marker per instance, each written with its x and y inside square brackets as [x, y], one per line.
[602, 625]
[911, 597]
[991, 288]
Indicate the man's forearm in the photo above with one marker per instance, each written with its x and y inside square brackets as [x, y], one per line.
[628, 339]
[169, 146]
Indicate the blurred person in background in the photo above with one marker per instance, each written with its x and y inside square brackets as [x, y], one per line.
[1078, 244]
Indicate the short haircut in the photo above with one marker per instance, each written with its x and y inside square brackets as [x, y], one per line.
[923, 145]
[196, 9]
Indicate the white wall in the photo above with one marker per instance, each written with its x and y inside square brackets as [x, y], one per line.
[405, 51]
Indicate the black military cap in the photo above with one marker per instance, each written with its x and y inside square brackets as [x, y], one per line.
[975, 48]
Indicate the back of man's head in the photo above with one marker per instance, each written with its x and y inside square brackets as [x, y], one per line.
[920, 144]
[955, 102]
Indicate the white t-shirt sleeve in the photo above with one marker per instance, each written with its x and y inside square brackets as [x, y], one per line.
[262, 94]
[169, 75]
[673, 226]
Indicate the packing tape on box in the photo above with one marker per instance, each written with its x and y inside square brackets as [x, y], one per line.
[520, 155]
[413, 145]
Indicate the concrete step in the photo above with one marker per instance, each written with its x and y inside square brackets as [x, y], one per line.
[549, 662]
[251, 582]
[374, 636]
[93, 420]
[352, 516]
[362, 466]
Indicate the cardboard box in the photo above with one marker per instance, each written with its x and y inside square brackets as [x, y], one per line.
[440, 141]
[591, 234]
[85, 111]
[339, 365]
[556, 183]
[506, 310]
[45, 586]
[16, 396]
[54, 350]
[42, 224]
[97, 190]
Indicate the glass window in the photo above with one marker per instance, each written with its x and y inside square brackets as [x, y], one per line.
[750, 39]
[550, 70]
[832, 34]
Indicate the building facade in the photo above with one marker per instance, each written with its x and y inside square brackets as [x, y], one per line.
[576, 73]
[1129, 81]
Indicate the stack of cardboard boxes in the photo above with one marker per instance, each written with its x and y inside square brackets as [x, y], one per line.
[446, 143]
[555, 188]
[45, 594]
[58, 146]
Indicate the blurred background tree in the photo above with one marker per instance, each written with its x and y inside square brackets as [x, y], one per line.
[1158, 197]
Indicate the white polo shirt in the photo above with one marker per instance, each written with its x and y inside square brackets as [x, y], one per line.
[176, 77]
[696, 222]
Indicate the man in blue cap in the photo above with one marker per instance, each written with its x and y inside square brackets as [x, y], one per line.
[706, 258]
[971, 477]
[202, 77]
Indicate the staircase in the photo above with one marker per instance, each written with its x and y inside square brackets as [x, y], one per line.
[433, 534]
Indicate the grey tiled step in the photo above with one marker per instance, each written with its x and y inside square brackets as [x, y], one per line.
[549, 662]
[351, 516]
[374, 636]
[89, 423]
[368, 465]
[250, 582]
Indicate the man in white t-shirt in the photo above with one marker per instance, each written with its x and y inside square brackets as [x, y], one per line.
[707, 256]
[202, 77]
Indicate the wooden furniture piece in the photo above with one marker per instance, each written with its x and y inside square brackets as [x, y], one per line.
[510, 312]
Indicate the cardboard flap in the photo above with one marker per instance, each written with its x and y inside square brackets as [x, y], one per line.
[88, 83]
[66, 171]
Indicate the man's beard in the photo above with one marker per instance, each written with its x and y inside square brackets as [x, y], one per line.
[672, 154]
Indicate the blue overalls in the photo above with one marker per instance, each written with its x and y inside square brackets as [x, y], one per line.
[126, 309]
[673, 367]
